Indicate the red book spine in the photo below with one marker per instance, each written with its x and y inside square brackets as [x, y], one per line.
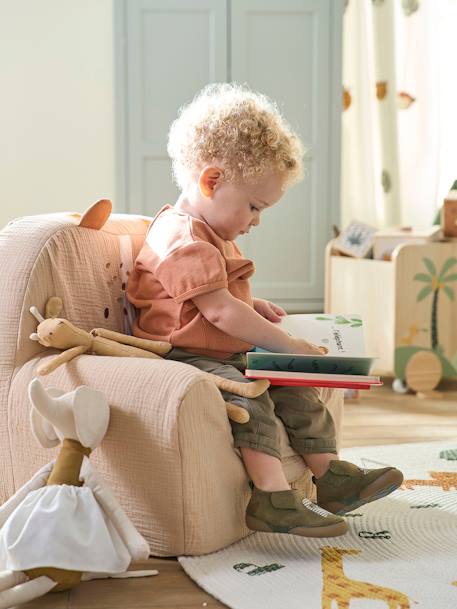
[332, 384]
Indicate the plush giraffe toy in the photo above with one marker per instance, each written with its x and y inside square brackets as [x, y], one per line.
[61, 334]
[65, 525]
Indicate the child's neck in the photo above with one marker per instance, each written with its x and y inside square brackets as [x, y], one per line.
[185, 205]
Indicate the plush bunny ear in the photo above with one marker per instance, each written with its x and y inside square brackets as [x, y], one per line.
[53, 307]
[43, 430]
[91, 413]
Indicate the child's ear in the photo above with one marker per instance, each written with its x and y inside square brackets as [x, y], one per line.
[210, 178]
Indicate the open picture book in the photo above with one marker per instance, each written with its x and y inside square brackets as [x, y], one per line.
[344, 366]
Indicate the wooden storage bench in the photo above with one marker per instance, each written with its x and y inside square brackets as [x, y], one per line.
[408, 305]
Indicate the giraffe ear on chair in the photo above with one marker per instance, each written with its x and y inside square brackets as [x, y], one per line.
[97, 214]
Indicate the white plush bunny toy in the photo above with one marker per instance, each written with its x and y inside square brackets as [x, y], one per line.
[64, 525]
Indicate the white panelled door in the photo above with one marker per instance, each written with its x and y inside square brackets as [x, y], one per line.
[288, 49]
[172, 49]
[283, 49]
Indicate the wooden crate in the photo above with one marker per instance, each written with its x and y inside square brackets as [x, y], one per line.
[401, 316]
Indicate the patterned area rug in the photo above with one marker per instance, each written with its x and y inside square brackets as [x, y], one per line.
[400, 551]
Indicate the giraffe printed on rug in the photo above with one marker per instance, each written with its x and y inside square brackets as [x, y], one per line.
[446, 480]
[341, 589]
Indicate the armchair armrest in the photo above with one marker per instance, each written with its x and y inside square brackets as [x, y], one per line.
[167, 445]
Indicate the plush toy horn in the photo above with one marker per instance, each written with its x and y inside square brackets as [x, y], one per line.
[42, 401]
[82, 414]
[91, 411]
[42, 429]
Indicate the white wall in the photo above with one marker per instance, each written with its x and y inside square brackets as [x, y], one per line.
[56, 105]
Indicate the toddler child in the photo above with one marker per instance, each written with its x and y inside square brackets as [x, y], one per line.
[233, 157]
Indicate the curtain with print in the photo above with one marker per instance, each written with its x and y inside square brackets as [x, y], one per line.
[399, 123]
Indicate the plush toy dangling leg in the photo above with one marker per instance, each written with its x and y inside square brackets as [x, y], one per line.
[127, 574]
[237, 413]
[16, 588]
[251, 389]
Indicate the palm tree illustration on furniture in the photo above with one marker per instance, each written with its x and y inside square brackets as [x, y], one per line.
[421, 368]
[436, 282]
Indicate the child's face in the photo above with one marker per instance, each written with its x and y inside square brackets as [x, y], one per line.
[233, 209]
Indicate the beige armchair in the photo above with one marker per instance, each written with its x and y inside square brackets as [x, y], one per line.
[168, 454]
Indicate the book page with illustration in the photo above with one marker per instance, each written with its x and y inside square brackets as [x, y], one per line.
[342, 335]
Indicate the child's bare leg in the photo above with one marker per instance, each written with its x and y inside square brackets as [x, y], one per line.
[318, 463]
[265, 471]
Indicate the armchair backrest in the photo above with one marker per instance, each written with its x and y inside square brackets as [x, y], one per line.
[50, 255]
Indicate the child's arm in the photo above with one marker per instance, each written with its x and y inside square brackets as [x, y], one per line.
[238, 319]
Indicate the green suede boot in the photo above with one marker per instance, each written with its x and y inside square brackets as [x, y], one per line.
[345, 487]
[287, 512]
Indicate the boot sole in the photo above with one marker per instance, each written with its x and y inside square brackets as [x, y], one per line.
[378, 489]
[332, 530]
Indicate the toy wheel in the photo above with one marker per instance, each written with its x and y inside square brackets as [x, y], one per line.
[399, 386]
[423, 371]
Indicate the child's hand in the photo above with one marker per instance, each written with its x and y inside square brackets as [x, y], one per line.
[268, 309]
[302, 346]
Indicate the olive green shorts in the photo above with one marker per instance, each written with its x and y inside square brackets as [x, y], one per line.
[307, 421]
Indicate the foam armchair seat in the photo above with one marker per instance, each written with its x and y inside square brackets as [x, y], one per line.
[168, 454]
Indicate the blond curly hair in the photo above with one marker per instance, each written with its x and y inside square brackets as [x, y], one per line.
[230, 125]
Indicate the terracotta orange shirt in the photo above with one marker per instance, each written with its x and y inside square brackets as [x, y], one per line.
[183, 257]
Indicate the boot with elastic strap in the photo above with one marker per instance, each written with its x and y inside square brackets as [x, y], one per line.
[345, 487]
[287, 512]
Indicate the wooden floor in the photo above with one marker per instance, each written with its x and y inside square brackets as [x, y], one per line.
[379, 417]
